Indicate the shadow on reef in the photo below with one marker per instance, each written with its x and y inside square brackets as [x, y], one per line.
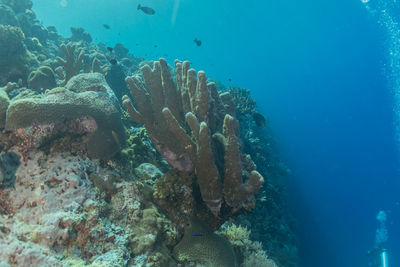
[9, 163]
[112, 160]
[270, 219]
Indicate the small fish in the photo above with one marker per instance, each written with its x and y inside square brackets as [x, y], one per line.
[116, 138]
[198, 42]
[106, 26]
[259, 119]
[230, 79]
[146, 10]
[195, 234]
[110, 49]
[113, 61]
[156, 46]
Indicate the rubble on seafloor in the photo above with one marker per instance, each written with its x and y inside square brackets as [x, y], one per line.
[85, 182]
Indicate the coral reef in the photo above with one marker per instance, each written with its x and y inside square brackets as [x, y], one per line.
[79, 34]
[201, 245]
[85, 95]
[42, 79]
[120, 51]
[139, 149]
[4, 102]
[54, 215]
[14, 57]
[84, 183]
[7, 16]
[174, 187]
[271, 219]
[249, 252]
[18, 5]
[160, 109]
[71, 65]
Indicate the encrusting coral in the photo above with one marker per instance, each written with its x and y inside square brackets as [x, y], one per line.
[169, 110]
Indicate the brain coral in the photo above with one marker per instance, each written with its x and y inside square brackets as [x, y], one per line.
[201, 245]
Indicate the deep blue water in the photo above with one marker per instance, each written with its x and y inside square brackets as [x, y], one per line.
[319, 71]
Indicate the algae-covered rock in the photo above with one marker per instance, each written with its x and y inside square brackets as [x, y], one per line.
[104, 183]
[42, 78]
[139, 149]
[61, 104]
[201, 245]
[152, 232]
[4, 102]
[148, 173]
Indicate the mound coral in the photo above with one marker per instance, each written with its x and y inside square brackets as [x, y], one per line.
[201, 245]
[85, 96]
[14, 57]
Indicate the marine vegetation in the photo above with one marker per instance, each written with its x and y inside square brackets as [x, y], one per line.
[108, 159]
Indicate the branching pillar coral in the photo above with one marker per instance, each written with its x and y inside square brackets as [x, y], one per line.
[70, 65]
[235, 191]
[183, 119]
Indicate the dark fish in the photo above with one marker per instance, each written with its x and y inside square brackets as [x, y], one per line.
[110, 49]
[113, 61]
[106, 26]
[230, 79]
[198, 42]
[146, 10]
[259, 119]
[155, 45]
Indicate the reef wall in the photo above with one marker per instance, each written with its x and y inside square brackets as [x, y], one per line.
[108, 159]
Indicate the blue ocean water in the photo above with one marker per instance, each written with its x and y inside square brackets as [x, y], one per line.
[323, 72]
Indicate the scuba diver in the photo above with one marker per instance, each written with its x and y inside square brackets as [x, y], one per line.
[378, 254]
